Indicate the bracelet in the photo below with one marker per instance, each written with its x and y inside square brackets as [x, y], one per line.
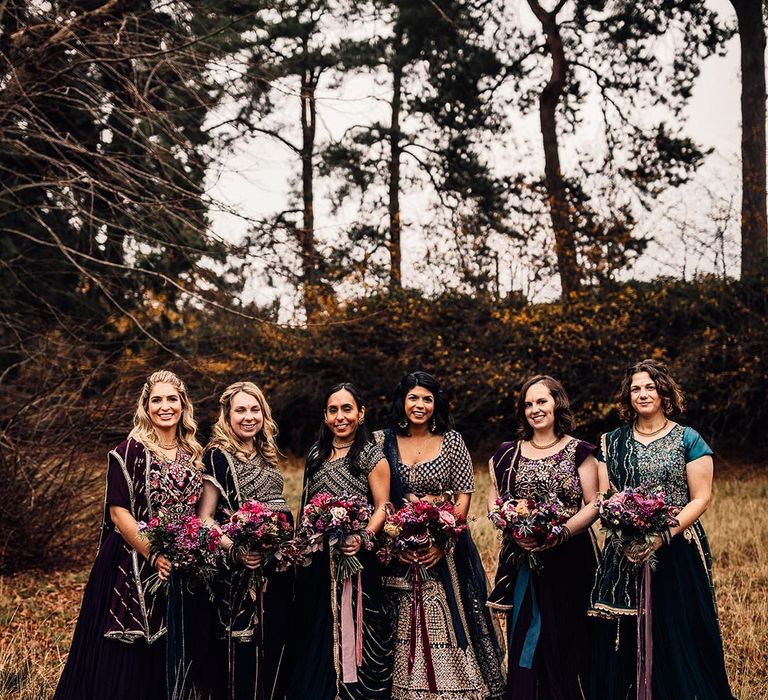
[565, 535]
[368, 538]
[666, 536]
[232, 555]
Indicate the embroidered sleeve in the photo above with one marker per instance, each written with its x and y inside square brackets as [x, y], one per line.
[462, 472]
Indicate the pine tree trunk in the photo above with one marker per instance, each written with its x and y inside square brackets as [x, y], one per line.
[754, 226]
[393, 242]
[307, 249]
[565, 238]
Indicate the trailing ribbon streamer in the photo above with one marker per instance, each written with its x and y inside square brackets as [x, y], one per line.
[644, 635]
[523, 583]
[419, 617]
[359, 643]
[348, 642]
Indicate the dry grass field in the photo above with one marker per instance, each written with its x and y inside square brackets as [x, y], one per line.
[38, 611]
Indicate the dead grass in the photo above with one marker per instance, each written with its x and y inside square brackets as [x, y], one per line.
[38, 611]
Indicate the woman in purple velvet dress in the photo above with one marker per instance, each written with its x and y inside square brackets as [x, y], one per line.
[118, 650]
[546, 607]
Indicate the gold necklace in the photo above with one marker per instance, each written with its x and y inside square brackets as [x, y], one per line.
[652, 433]
[169, 447]
[342, 445]
[544, 447]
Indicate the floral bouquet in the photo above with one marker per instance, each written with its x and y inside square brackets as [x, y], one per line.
[635, 515]
[256, 528]
[334, 518]
[419, 525]
[415, 526]
[523, 518]
[189, 544]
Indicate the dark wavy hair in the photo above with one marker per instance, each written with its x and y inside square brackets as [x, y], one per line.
[442, 413]
[321, 450]
[672, 397]
[563, 413]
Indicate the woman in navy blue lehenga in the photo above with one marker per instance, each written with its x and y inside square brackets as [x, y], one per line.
[344, 461]
[684, 651]
[241, 465]
[118, 650]
[429, 459]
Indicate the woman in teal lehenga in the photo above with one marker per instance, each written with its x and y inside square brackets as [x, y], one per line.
[685, 646]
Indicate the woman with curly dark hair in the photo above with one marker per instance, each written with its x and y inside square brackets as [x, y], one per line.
[685, 648]
[429, 460]
[546, 462]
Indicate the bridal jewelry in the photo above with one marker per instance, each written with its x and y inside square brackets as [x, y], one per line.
[342, 445]
[544, 447]
[653, 432]
[172, 446]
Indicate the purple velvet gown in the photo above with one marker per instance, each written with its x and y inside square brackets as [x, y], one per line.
[118, 647]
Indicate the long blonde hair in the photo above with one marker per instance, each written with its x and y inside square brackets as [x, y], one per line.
[144, 431]
[224, 437]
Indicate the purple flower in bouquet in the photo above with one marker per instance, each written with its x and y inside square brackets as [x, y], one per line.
[635, 515]
[189, 544]
[333, 519]
[419, 525]
[530, 518]
[254, 527]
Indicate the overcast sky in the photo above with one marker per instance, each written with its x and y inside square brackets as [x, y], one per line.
[257, 176]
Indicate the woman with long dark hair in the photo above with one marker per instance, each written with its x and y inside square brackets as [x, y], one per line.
[241, 464]
[343, 461]
[118, 651]
[683, 655]
[430, 461]
[546, 606]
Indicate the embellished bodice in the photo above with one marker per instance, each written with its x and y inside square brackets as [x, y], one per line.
[662, 462]
[260, 481]
[175, 485]
[450, 471]
[555, 475]
[338, 477]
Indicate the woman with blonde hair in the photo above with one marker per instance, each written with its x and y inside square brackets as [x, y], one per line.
[241, 464]
[118, 649]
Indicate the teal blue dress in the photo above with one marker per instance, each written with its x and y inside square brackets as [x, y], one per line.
[687, 646]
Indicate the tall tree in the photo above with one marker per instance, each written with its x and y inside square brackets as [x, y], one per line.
[754, 223]
[439, 70]
[608, 50]
[289, 55]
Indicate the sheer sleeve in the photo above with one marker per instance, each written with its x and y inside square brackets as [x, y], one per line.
[462, 472]
[694, 445]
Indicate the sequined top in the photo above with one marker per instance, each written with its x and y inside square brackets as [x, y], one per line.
[555, 475]
[338, 477]
[259, 480]
[450, 471]
[663, 461]
[175, 485]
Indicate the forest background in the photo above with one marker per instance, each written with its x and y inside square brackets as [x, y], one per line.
[513, 190]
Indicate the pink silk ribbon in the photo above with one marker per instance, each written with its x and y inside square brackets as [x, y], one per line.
[419, 617]
[359, 634]
[644, 636]
[348, 642]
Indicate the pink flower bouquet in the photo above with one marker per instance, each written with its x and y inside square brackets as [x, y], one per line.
[256, 528]
[419, 525]
[635, 515]
[333, 519]
[191, 546]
